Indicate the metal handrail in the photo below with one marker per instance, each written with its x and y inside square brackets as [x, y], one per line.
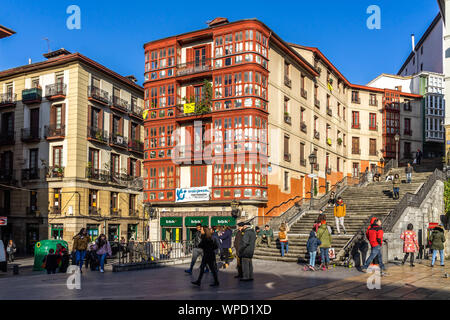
[388, 166]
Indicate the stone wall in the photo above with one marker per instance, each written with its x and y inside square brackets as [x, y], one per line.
[430, 210]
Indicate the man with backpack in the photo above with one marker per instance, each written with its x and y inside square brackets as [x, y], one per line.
[375, 236]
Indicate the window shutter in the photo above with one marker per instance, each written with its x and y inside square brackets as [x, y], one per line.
[89, 115]
[208, 54]
[128, 165]
[52, 115]
[138, 168]
[121, 126]
[63, 114]
[189, 54]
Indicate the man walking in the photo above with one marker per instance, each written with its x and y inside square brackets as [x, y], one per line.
[236, 244]
[339, 214]
[196, 251]
[375, 236]
[246, 250]
[408, 171]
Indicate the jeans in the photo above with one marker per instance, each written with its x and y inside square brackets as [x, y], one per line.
[441, 255]
[102, 257]
[396, 192]
[312, 258]
[196, 252]
[376, 252]
[339, 221]
[324, 255]
[283, 244]
[408, 177]
[79, 257]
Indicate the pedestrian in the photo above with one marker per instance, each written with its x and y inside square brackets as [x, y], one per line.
[418, 156]
[319, 220]
[246, 250]
[237, 243]
[408, 172]
[11, 250]
[226, 237]
[267, 235]
[283, 238]
[375, 236]
[209, 247]
[396, 187]
[410, 243]
[50, 262]
[258, 236]
[92, 261]
[437, 239]
[311, 246]
[324, 235]
[389, 176]
[359, 251]
[196, 250]
[80, 244]
[332, 200]
[103, 249]
[339, 214]
[62, 258]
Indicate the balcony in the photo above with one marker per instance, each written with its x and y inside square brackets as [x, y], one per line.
[117, 140]
[8, 100]
[7, 175]
[94, 211]
[136, 112]
[30, 174]
[317, 102]
[199, 112]
[287, 82]
[356, 126]
[7, 138]
[316, 134]
[373, 103]
[303, 162]
[304, 93]
[55, 91]
[31, 96]
[30, 134]
[97, 134]
[287, 118]
[407, 132]
[287, 157]
[97, 174]
[55, 172]
[303, 127]
[133, 212]
[356, 100]
[192, 67]
[136, 146]
[98, 95]
[120, 105]
[55, 210]
[115, 212]
[54, 132]
[329, 112]
[119, 179]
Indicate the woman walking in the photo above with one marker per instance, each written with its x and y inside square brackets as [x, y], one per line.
[410, 244]
[283, 237]
[324, 235]
[80, 244]
[209, 247]
[396, 186]
[102, 249]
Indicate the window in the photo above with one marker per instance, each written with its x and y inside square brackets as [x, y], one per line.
[198, 176]
[286, 181]
[35, 82]
[408, 126]
[286, 69]
[286, 146]
[57, 156]
[355, 145]
[33, 200]
[373, 99]
[338, 162]
[372, 121]
[355, 119]
[355, 97]
[115, 163]
[92, 199]
[57, 200]
[93, 158]
[372, 147]
[114, 201]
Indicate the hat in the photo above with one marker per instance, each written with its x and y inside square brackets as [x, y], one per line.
[247, 224]
[240, 224]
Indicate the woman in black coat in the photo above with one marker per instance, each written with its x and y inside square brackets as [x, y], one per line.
[209, 247]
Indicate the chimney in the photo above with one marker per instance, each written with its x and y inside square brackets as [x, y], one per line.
[413, 42]
[29, 61]
[131, 78]
[56, 53]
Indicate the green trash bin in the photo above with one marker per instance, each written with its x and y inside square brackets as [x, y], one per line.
[41, 249]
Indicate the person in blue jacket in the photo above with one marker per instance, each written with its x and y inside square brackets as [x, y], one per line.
[311, 246]
[225, 237]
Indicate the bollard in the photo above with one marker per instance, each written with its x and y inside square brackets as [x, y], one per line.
[16, 269]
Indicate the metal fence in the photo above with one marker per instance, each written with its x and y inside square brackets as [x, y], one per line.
[153, 251]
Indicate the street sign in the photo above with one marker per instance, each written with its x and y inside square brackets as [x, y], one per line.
[312, 175]
[3, 221]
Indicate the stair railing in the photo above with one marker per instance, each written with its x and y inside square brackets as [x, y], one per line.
[388, 166]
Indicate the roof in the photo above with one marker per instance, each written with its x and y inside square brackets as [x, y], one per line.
[5, 32]
[388, 75]
[441, 4]
[63, 59]
[422, 39]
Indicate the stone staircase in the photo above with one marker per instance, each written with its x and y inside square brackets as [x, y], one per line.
[374, 199]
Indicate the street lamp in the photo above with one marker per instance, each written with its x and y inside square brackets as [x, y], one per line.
[397, 139]
[312, 160]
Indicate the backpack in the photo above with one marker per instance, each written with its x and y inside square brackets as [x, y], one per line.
[282, 235]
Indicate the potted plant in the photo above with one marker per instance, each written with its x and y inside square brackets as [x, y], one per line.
[339, 141]
[59, 172]
[329, 141]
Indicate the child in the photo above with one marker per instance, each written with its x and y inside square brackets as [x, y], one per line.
[50, 262]
[396, 186]
[311, 246]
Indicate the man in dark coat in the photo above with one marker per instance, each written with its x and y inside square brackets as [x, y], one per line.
[246, 250]
[237, 242]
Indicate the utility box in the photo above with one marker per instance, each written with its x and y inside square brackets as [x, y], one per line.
[41, 249]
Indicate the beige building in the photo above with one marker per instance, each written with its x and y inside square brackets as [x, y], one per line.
[71, 151]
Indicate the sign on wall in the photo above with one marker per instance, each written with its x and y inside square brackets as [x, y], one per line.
[171, 221]
[189, 107]
[192, 194]
[193, 221]
[223, 221]
[3, 221]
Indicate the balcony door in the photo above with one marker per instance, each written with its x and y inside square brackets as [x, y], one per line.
[7, 123]
[200, 57]
[57, 156]
[93, 158]
[34, 122]
[33, 161]
[6, 162]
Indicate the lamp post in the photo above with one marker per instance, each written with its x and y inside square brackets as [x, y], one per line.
[397, 139]
[312, 160]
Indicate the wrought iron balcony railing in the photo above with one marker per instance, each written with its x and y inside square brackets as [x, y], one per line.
[55, 172]
[30, 174]
[120, 104]
[8, 99]
[30, 134]
[6, 137]
[55, 89]
[194, 67]
[54, 131]
[136, 146]
[97, 134]
[98, 95]
[118, 140]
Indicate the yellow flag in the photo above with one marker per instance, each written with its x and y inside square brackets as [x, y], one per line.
[330, 87]
[145, 114]
[189, 107]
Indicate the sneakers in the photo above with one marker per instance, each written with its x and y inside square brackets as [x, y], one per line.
[188, 271]
[324, 268]
[311, 268]
[197, 283]
[102, 271]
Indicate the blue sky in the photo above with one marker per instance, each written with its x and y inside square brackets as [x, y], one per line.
[113, 32]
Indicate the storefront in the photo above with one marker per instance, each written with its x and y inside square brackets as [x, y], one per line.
[171, 229]
[57, 231]
[223, 221]
[113, 232]
[92, 230]
[191, 223]
[132, 232]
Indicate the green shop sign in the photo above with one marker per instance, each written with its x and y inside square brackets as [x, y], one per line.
[192, 221]
[171, 221]
[223, 221]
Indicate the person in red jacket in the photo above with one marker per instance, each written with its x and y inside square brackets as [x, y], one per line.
[375, 236]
